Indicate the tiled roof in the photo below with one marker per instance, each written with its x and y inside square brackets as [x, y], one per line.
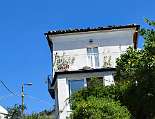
[92, 29]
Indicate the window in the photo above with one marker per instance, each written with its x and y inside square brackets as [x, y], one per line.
[93, 56]
[75, 85]
[100, 80]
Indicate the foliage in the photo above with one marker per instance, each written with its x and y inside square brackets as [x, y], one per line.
[37, 116]
[15, 112]
[98, 101]
[134, 86]
[138, 67]
[41, 115]
[100, 108]
[128, 65]
[97, 90]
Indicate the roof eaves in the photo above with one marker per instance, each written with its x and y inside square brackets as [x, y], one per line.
[92, 29]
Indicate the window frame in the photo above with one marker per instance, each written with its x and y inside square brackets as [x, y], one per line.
[93, 56]
[69, 84]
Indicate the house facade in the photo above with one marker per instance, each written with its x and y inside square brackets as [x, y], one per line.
[79, 54]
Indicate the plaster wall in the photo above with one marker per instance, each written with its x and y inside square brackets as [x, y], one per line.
[63, 88]
[74, 46]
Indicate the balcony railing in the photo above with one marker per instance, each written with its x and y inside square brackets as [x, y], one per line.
[85, 61]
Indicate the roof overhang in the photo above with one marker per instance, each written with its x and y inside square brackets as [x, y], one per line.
[114, 27]
[51, 35]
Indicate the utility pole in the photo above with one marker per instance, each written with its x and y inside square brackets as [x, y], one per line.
[22, 95]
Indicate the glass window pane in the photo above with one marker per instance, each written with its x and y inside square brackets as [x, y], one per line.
[93, 56]
[89, 51]
[96, 56]
[96, 60]
[75, 85]
[95, 50]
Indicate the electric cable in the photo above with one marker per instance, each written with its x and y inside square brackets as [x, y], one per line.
[37, 99]
[8, 88]
[14, 94]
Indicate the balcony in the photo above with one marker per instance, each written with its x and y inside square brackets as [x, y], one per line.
[84, 61]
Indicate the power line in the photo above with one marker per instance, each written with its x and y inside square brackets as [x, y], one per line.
[8, 88]
[13, 94]
[38, 100]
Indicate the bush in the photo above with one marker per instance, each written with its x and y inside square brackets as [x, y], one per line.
[100, 108]
[100, 102]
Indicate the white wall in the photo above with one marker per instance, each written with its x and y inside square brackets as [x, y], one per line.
[63, 88]
[63, 96]
[111, 43]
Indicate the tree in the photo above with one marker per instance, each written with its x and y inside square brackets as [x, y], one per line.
[138, 67]
[99, 102]
[100, 108]
[15, 112]
[134, 85]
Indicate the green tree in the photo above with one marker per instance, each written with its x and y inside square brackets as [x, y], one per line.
[15, 112]
[100, 108]
[138, 67]
[134, 85]
[99, 102]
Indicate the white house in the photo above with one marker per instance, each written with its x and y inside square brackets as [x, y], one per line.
[79, 54]
[3, 112]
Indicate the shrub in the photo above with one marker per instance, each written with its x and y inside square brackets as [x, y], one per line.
[100, 108]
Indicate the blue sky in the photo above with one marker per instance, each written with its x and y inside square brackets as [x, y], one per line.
[24, 53]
